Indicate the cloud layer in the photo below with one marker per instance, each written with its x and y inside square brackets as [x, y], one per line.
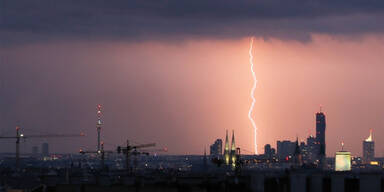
[24, 21]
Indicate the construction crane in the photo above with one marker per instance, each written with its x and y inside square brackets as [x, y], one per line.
[101, 152]
[129, 150]
[20, 136]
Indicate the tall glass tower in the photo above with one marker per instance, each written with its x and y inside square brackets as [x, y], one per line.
[320, 134]
[368, 149]
[320, 131]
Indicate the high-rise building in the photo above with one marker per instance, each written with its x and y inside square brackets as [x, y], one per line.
[273, 152]
[269, 152]
[226, 149]
[320, 135]
[285, 149]
[368, 149]
[45, 149]
[216, 149]
[312, 149]
[267, 149]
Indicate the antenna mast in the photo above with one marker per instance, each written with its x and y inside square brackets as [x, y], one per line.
[98, 126]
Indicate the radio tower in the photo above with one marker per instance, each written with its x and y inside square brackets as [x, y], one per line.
[98, 126]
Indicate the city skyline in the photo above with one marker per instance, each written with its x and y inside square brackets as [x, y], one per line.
[181, 95]
[182, 87]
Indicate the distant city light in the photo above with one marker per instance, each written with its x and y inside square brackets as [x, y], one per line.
[343, 161]
[374, 163]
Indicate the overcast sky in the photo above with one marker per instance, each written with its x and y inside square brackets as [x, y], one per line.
[177, 72]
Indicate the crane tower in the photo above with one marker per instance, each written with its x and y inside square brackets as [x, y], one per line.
[20, 136]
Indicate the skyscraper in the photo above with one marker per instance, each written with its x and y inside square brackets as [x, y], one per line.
[268, 151]
[320, 134]
[368, 149]
[216, 149]
[312, 149]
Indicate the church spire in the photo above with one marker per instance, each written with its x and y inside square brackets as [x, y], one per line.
[233, 145]
[226, 149]
[233, 149]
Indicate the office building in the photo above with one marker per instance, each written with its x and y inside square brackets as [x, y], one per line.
[320, 137]
[216, 149]
[368, 149]
[312, 150]
[285, 149]
[320, 131]
[269, 152]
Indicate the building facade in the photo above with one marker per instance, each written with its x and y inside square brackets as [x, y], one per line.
[368, 149]
[320, 138]
[216, 149]
[269, 152]
[310, 150]
[285, 149]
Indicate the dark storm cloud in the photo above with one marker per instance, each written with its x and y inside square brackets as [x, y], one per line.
[135, 20]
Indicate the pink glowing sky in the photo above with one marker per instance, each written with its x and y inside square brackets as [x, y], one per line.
[185, 94]
[177, 72]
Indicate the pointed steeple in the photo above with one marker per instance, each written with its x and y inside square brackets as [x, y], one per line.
[233, 145]
[226, 149]
[233, 149]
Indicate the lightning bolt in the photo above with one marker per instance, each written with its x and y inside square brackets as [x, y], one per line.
[253, 94]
